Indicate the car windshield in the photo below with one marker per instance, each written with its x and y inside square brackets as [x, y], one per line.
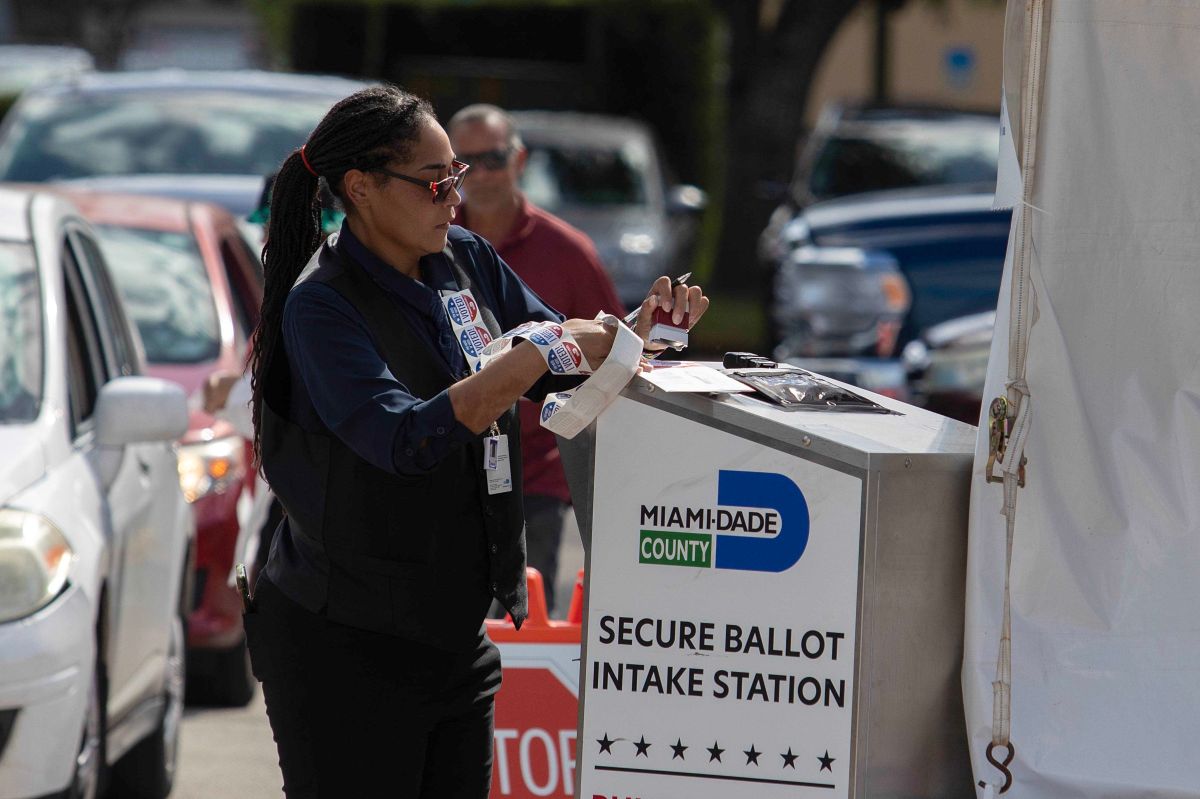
[900, 155]
[558, 176]
[164, 283]
[20, 334]
[184, 132]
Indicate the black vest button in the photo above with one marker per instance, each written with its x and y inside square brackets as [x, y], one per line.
[495, 587]
[495, 549]
[441, 431]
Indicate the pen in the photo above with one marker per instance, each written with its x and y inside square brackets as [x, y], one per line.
[631, 318]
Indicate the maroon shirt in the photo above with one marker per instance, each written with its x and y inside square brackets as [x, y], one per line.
[560, 264]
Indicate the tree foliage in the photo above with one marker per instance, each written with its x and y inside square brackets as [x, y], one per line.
[776, 47]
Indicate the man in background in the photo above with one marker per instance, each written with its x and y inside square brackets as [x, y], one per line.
[560, 264]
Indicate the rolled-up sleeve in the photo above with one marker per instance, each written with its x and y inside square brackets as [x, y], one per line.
[354, 393]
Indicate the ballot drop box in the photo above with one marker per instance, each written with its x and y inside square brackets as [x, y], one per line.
[774, 599]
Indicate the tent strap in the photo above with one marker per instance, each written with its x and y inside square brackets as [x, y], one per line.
[1011, 413]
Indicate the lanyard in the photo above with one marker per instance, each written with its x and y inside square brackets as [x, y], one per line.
[467, 324]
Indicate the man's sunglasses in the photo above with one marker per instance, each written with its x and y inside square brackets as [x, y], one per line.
[439, 188]
[490, 160]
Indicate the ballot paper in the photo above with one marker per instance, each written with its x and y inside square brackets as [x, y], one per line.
[691, 376]
[566, 413]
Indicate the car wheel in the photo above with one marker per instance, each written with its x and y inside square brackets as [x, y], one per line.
[87, 780]
[148, 770]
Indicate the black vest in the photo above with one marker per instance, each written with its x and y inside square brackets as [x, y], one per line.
[415, 556]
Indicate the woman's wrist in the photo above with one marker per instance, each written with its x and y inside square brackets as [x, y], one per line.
[481, 398]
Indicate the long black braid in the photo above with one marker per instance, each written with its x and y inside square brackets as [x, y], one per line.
[365, 131]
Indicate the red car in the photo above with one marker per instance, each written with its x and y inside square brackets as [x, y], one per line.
[193, 286]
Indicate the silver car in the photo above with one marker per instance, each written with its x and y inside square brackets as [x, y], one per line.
[604, 175]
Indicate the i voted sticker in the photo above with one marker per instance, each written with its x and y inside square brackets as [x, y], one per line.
[462, 309]
[474, 339]
[553, 342]
[548, 410]
[521, 329]
[546, 335]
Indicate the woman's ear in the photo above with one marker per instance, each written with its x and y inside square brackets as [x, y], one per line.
[356, 188]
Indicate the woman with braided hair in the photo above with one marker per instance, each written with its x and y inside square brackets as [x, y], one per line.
[389, 447]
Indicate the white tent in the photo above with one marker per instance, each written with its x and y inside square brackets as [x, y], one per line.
[1101, 296]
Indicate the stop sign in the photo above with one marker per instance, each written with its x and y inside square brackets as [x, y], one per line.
[536, 715]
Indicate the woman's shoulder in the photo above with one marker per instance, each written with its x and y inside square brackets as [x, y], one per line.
[313, 299]
[462, 239]
[474, 253]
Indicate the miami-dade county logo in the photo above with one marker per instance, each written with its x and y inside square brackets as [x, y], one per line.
[546, 336]
[474, 339]
[564, 358]
[462, 309]
[769, 539]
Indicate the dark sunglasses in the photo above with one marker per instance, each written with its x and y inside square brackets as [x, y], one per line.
[490, 160]
[439, 188]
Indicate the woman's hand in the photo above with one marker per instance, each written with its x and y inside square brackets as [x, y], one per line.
[678, 300]
[594, 338]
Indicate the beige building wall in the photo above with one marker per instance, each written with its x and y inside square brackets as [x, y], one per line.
[947, 54]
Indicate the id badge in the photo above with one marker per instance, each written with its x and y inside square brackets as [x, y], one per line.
[496, 466]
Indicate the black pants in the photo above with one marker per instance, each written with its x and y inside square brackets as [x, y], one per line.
[357, 713]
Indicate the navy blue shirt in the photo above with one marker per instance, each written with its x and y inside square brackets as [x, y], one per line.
[339, 377]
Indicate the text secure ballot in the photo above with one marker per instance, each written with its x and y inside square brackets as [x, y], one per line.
[672, 634]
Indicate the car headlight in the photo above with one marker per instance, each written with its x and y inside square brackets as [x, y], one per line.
[961, 370]
[210, 467]
[34, 561]
[635, 257]
[846, 300]
[915, 356]
[636, 243]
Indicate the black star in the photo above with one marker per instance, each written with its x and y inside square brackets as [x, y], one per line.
[715, 753]
[789, 760]
[827, 762]
[642, 747]
[751, 755]
[679, 749]
[605, 744]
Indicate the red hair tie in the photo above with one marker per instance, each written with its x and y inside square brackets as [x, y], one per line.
[307, 165]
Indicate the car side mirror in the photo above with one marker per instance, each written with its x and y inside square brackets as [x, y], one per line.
[136, 409]
[686, 199]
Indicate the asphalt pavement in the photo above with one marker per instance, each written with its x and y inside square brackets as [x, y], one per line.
[228, 752]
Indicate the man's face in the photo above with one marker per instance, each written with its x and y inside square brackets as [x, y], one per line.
[487, 186]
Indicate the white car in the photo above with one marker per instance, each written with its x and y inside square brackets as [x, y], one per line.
[95, 536]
